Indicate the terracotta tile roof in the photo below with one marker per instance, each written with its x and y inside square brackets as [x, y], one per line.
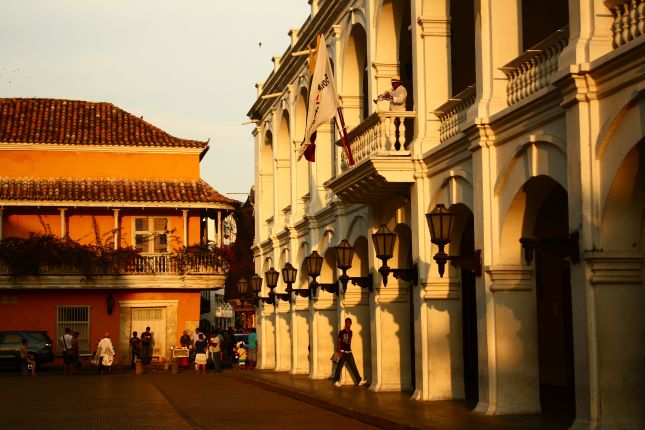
[92, 190]
[75, 122]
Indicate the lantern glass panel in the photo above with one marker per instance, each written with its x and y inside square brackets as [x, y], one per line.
[289, 273]
[314, 264]
[243, 286]
[256, 283]
[271, 276]
[384, 241]
[440, 223]
[344, 254]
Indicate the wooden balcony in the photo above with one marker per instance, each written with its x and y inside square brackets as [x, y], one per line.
[155, 271]
[383, 164]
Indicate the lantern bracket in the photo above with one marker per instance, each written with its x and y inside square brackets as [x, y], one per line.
[470, 262]
[564, 247]
[360, 281]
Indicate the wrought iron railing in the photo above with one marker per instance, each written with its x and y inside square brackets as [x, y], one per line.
[148, 265]
[533, 70]
[381, 132]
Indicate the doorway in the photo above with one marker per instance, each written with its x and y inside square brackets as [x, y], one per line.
[155, 318]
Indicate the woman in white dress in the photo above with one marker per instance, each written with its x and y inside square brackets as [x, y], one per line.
[105, 352]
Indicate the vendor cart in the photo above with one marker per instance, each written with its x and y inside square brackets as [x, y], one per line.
[181, 355]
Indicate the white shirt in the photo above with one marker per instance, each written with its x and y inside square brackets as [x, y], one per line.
[399, 95]
[105, 348]
[66, 341]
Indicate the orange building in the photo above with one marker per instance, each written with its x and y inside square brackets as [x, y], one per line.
[91, 174]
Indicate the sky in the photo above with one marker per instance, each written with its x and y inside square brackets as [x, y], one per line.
[187, 67]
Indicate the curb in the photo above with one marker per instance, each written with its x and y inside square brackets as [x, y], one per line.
[380, 422]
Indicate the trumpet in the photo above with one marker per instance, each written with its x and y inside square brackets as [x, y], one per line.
[387, 95]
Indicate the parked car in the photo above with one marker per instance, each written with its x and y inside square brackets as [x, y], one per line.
[40, 347]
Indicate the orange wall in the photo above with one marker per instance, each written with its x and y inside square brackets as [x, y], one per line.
[36, 310]
[20, 225]
[45, 164]
[80, 224]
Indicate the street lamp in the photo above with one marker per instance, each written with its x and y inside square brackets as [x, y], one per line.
[271, 276]
[314, 264]
[384, 241]
[289, 277]
[344, 257]
[441, 222]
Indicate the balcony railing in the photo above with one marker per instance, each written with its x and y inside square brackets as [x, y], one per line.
[532, 70]
[452, 114]
[148, 265]
[381, 132]
[629, 20]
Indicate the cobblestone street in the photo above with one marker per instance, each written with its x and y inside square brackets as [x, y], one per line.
[156, 400]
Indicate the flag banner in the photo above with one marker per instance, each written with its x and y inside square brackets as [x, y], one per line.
[322, 101]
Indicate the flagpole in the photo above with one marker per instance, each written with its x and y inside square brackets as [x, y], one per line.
[344, 136]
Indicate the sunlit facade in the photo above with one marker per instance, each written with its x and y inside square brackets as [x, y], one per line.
[526, 120]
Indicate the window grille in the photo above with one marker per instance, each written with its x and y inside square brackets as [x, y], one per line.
[145, 314]
[76, 318]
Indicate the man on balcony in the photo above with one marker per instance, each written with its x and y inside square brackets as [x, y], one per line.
[397, 95]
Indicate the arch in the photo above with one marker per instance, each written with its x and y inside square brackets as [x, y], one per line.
[456, 187]
[354, 77]
[328, 271]
[357, 228]
[543, 155]
[266, 176]
[624, 209]
[618, 138]
[283, 162]
[388, 22]
[302, 166]
[521, 217]
[302, 278]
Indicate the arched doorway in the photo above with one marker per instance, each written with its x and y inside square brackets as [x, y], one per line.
[546, 222]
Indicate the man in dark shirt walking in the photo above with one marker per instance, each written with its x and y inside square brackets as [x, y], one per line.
[344, 349]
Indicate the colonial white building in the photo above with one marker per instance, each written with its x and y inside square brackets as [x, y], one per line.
[525, 119]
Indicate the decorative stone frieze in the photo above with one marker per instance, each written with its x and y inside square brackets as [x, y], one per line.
[615, 268]
[510, 278]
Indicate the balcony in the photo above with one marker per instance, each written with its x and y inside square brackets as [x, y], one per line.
[629, 16]
[383, 164]
[452, 114]
[158, 271]
[532, 71]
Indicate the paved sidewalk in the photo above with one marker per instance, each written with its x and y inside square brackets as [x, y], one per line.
[392, 410]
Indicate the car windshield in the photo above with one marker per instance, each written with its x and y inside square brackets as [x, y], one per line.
[39, 336]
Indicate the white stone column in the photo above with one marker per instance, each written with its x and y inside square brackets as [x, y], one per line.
[283, 336]
[116, 227]
[219, 229]
[300, 335]
[63, 225]
[511, 315]
[323, 329]
[499, 42]
[445, 367]
[432, 55]
[185, 214]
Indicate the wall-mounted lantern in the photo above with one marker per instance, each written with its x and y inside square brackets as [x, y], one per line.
[344, 257]
[384, 241]
[314, 264]
[441, 222]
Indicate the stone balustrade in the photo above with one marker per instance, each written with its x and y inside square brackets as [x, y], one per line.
[452, 114]
[532, 70]
[629, 20]
[381, 132]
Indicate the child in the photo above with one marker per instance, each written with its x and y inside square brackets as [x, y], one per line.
[241, 353]
[27, 360]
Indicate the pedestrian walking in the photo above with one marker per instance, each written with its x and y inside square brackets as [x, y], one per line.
[27, 361]
[65, 344]
[215, 352]
[253, 348]
[344, 349]
[77, 355]
[146, 346]
[106, 354]
[135, 349]
[200, 354]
